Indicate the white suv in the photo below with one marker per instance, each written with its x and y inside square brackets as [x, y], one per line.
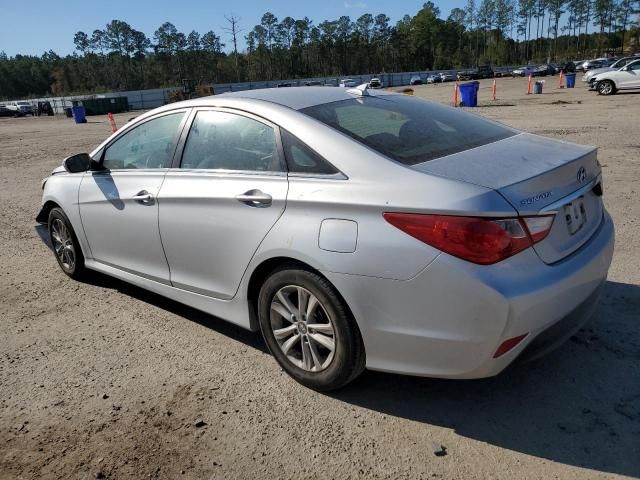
[20, 109]
[625, 78]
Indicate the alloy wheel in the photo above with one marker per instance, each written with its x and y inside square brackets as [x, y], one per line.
[302, 328]
[606, 88]
[63, 244]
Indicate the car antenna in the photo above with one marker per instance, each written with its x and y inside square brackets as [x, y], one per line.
[360, 90]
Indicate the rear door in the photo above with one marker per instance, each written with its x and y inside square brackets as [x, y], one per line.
[228, 190]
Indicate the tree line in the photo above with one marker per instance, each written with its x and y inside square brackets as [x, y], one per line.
[497, 32]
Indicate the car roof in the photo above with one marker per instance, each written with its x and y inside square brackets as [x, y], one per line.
[296, 98]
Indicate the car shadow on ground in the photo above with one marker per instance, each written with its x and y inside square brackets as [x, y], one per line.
[230, 330]
[579, 405]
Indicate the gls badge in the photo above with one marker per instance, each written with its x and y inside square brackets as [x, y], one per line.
[535, 198]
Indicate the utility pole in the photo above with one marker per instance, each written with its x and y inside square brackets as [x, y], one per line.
[234, 31]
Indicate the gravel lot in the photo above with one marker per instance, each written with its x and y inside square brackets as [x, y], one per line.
[104, 380]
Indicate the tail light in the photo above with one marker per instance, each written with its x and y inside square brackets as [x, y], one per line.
[476, 239]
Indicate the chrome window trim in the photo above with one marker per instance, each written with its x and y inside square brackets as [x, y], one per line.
[226, 173]
[319, 176]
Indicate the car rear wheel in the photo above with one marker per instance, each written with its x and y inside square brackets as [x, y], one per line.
[606, 87]
[65, 244]
[309, 329]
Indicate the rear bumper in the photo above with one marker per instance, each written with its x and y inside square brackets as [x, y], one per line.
[449, 320]
[562, 330]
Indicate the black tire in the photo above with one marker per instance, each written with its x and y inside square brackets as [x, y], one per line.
[348, 359]
[606, 87]
[75, 269]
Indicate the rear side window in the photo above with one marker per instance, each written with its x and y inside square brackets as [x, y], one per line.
[226, 141]
[301, 159]
[407, 129]
[149, 145]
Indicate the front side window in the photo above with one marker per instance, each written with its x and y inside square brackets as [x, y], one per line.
[226, 141]
[406, 129]
[149, 145]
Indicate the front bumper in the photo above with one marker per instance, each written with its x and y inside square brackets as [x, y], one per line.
[449, 320]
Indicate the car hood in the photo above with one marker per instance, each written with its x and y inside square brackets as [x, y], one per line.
[596, 71]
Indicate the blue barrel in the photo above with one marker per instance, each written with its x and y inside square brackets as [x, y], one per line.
[537, 87]
[79, 114]
[570, 80]
[469, 94]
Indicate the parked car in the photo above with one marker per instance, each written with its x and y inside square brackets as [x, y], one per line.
[524, 71]
[544, 70]
[21, 109]
[467, 74]
[448, 77]
[375, 83]
[485, 71]
[5, 111]
[313, 83]
[353, 228]
[501, 72]
[44, 108]
[625, 78]
[579, 64]
[416, 80]
[434, 78]
[597, 63]
[591, 74]
[347, 82]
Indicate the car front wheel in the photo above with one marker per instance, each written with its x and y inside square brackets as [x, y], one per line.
[309, 329]
[65, 244]
[606, 87]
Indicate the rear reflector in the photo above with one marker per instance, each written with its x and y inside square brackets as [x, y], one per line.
[508, 345]
[476, 239]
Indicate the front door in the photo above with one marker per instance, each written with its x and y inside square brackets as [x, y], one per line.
[216, 208]
[118, 205]
[630, 78]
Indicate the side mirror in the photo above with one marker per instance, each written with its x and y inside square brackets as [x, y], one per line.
[80, 162]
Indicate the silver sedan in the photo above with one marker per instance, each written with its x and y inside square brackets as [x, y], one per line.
[353, 228]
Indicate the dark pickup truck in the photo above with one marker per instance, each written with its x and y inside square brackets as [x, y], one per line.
[483, 71]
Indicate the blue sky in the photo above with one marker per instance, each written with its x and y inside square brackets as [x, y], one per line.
[35, 26]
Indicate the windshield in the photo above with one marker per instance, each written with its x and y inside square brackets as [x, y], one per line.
[622, 62]
[407, 129]
[24, 103]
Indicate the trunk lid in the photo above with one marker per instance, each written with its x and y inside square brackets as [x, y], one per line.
[536, 175]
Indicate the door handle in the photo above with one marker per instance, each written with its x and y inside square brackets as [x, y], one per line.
[143, 197]
[255, 198]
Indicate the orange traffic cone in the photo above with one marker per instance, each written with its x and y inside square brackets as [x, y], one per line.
[529, 85]
[112, 122]
[455, 94]
[560, 85]
[494, 88]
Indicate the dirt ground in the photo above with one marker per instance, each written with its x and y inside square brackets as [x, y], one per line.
[104, 380]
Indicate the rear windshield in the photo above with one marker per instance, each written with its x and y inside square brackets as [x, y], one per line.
[407, 129]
